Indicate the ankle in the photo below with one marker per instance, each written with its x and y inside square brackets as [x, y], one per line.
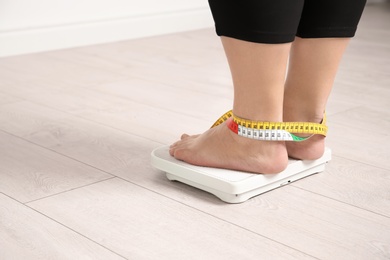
[312, 148]
[302, 111]
[305, 114]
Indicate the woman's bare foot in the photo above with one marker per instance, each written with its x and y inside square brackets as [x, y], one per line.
[219, 147]
[310, 149]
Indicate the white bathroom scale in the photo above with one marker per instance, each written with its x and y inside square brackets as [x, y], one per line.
[234, 186]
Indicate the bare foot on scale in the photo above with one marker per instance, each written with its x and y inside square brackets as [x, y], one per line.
[310, 149]
[219, 147]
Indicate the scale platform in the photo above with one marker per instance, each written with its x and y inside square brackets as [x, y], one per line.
[234, 186]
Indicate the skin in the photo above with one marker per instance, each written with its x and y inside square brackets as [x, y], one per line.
[263, 92]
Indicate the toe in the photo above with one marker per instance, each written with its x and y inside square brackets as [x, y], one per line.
[184, 136]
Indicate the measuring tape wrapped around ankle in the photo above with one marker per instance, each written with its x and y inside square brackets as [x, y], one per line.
[271, 131]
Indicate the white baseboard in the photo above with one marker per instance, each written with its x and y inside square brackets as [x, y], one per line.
[18, 42]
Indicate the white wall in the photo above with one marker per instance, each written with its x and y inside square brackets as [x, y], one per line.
[32, 26]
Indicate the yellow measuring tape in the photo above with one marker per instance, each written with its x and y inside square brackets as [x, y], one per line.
[272, 131]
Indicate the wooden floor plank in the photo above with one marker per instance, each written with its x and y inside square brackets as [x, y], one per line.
[102, 147]
[30, 172]
[371, 120]
[26, 234]
[6, 99]
[354, 183]
[317, 225]
[112, 111]
[359, 145]
[146, 225]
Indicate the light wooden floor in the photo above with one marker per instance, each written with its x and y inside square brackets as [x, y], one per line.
[76, 131]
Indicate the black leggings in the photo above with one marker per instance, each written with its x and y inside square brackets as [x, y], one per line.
[279, 21]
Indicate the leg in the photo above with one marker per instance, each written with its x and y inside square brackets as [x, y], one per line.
[324, 31]
[257, 37]
[312, 69]
[258, 72]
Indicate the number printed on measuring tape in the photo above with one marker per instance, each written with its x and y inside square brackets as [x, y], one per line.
[272, 131]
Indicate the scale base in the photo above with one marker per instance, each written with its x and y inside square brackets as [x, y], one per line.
[234, 186]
